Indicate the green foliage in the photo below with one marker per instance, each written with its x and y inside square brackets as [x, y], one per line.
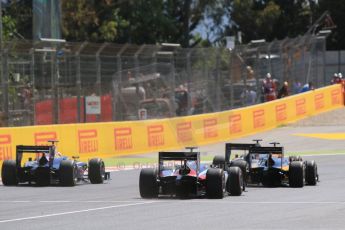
[176, 21]
[156, 21]
[9, 27]
[96, 21]
[268, 19]
[17, 20]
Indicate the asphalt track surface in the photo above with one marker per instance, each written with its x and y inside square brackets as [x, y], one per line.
[117, 204]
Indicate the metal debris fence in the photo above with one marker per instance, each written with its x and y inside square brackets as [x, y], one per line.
[48, 82]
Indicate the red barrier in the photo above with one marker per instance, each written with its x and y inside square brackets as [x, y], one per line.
[106, 108]
[44, 112]
[68, 111]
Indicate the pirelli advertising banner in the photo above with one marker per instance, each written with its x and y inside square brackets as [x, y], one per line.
[124, 138]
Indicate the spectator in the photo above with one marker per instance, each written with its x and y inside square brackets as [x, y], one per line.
[26, 96]
[269, 88]
[336, 78]
[342, 82]
[307, 87]
[248, 96]
[296, 87]
[182, 99]
[284, 90]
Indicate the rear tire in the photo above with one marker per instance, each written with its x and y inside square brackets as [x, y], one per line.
[243, 165]
[215, 183]
[68, 173]
[296, 174]
[219, 161]
[235, 183]
[9, 175]
[311, 173]
[96, 171]
[148, 185]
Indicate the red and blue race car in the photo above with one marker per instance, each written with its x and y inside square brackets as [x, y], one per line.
[181, 174]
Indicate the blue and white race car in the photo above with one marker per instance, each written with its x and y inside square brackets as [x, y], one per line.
[268, 165]
[50, 167]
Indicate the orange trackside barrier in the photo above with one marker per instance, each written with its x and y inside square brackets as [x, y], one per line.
[108, 139]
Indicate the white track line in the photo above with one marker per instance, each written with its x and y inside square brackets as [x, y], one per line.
[175, 201]
[64, 201]
[226, 201]
[275, 202]
[73, 212]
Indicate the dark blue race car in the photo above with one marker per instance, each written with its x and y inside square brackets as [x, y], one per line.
[268, 165]
[50, 167]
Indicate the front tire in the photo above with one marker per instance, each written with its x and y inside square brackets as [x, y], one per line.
[215, 183]
[68, 173]
[148, 185]
[9, 175]
[96, 171]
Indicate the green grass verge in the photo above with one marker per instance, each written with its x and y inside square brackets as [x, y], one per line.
[137, 161]
[316, 152]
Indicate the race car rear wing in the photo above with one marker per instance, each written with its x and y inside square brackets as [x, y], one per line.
[179, 156]
[229, 147]
[20, 149]
[266, 150]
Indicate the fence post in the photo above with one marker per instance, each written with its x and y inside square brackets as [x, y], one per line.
[4, 70]
[32, 73]
[217, 85]
[324, 60]
[116, 85]
[206, 76]
[99, 75]
[78, 83]
[232, 79]
[189, 74]
[136, 60]
[54, 85]
[173, 80]
[304, 47]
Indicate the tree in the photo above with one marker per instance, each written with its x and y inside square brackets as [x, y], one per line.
[268, 19]
[96, 21]
[156, 21]
[17, 20]
[295, 20]
[336, 40]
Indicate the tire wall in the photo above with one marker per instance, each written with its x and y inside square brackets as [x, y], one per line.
[124, 138]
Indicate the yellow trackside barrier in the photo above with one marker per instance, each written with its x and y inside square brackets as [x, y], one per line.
[132, 137]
